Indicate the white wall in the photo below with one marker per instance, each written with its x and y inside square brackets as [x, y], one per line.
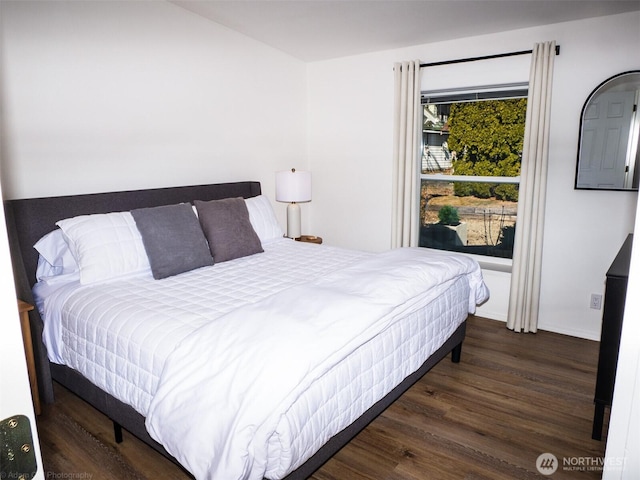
[103, 95]
[350, 147]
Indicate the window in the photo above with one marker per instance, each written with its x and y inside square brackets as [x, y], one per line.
[471, 155]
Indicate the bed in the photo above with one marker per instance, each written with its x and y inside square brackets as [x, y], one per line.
[253, 356]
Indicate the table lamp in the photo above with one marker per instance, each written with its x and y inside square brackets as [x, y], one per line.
[294, 187]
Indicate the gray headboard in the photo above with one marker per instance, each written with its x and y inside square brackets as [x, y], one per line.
[29, 219]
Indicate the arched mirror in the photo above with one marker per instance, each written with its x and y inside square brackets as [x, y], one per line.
[609, 129]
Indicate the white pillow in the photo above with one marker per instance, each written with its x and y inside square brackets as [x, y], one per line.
[106, 246]
[55, 257]
[263, 218]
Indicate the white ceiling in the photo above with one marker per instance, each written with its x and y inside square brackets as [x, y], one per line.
[314, 30]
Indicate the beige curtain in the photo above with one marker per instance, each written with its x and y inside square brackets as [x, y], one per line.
[524, 295]
[406, 145]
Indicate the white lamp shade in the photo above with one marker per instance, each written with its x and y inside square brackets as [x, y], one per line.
[293, 186]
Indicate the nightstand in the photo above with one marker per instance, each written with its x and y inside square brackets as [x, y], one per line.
[24, 308]
[309, 239]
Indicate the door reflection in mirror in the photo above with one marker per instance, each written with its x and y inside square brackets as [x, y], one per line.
[609, 129]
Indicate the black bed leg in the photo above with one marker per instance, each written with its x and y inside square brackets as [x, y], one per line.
[456, 353]
[117, 432]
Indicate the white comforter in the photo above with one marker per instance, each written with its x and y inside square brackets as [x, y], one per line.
[224, 388]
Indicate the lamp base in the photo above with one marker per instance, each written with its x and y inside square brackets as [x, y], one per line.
[293, 220]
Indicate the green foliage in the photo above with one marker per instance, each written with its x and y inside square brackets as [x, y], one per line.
[448, 215]
[506, 192]
[487, 137]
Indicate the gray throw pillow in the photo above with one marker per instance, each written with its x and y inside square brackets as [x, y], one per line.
[228, 229]
[173, 239]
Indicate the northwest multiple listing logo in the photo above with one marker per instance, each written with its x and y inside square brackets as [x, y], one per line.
[547, 463]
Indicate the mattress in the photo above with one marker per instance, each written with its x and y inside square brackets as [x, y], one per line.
[121, 335]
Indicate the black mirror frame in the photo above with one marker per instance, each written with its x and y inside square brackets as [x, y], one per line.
[584, 107]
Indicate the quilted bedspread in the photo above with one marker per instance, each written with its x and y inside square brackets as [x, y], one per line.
[226, 385]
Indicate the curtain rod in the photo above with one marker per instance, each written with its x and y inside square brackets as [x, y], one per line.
[486, 57]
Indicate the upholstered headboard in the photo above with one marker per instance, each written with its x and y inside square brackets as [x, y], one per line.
[29, 219]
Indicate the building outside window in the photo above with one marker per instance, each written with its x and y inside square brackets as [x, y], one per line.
[471, 154]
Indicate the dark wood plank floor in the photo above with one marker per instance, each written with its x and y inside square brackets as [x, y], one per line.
[512, 398]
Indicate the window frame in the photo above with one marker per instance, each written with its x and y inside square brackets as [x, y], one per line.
[472, 94]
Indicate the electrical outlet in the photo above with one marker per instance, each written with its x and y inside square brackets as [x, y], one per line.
[596, 301]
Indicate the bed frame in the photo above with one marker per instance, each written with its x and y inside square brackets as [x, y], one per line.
[29, 219]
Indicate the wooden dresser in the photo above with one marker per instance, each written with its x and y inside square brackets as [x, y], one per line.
[613, 313]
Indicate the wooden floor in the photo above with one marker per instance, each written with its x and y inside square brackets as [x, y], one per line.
[512, 398]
